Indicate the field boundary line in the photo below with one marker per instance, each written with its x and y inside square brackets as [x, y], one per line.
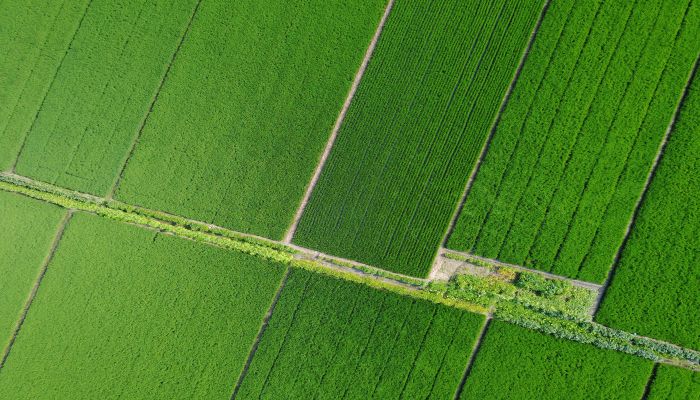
[40, 277]
[25, 137]
[487, 141]
[645, 189]
[472, 356]
[137, 136]
[338, 123]
[650, 381]
[261, 332]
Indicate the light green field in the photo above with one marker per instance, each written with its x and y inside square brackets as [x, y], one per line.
[124, 312]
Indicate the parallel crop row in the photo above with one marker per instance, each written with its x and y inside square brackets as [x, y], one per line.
[330, 339]
[654, 290]
[578, 137]
[414, 129]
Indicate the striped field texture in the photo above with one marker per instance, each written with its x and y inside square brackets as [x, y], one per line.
[516, 363]
[27, 228]
[414, 130]
[247, 108]
[330, 339]
[654, 290]
[576, 142]
[125, 312]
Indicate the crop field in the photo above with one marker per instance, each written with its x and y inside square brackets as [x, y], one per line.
[670, 383]
[654, 290]
[137, 314]
[414, 130]
[28, 227]
[330, 339]
[516, 363]
[257, 112]
[574, 145]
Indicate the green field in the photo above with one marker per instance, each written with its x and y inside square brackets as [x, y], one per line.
[331, 339]
[516, 363]
[36, 33]
[246, 110]
[102, 89]
[575, 143]
[671, 383]
[414, 130]
[654, 290]
[126, 312]
[28, 228]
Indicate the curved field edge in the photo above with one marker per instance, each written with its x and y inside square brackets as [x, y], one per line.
[579, 331]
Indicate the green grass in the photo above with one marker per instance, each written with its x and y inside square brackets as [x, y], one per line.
[671, 383]
[332, 339]
[28, 229]
[414, 131]
[36, 34]
[126, 312]
[654, 290]
[574, 146]
[517, 363]
[101, 92]
[247, 108]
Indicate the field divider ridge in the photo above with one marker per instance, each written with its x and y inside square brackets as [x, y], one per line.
[338, 123]
[650, 382]
[484, 148]
[472, 356]
[647, 184]
[137, 136]
[35, 289]
[297, 257]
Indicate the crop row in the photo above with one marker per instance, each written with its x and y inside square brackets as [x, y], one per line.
[414, 130]
[576, 141]
[331, 339]
[654, 288]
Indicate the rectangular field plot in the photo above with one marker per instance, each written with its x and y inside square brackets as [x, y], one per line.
[414, 129]
[247, 108]
[578, 137]
[125, 312]
[94, 105]
[654, 290]
[34, 36]
[332, 339]
[27, 229]
[517, 363]
[671, 383]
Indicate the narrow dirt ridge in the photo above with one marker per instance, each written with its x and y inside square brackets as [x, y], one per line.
[650, 382]
[341, 117]
[472, 357]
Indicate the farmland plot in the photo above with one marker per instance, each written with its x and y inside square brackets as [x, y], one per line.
[34, 36]
[101, 92]
[250, 101]
[125, 312]
[332, 339]
[517, 363]
[671, 383]
[27, 229]
[654, 290]
[414, 129]
[575, 144]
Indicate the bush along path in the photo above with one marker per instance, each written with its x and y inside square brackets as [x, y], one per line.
[531, 300]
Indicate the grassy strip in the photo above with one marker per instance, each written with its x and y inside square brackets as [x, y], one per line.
[581, 331]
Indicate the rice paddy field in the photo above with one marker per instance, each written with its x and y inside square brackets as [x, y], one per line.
[384, 199]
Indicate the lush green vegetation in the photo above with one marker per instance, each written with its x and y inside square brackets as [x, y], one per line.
[331, 339]
[516, 363]
[654, 290]
[575, 143]
[671, 383]
[34, 36]
[414, 130]
[128, 312]
[102, 89]
[28, 229]
[247, 108]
